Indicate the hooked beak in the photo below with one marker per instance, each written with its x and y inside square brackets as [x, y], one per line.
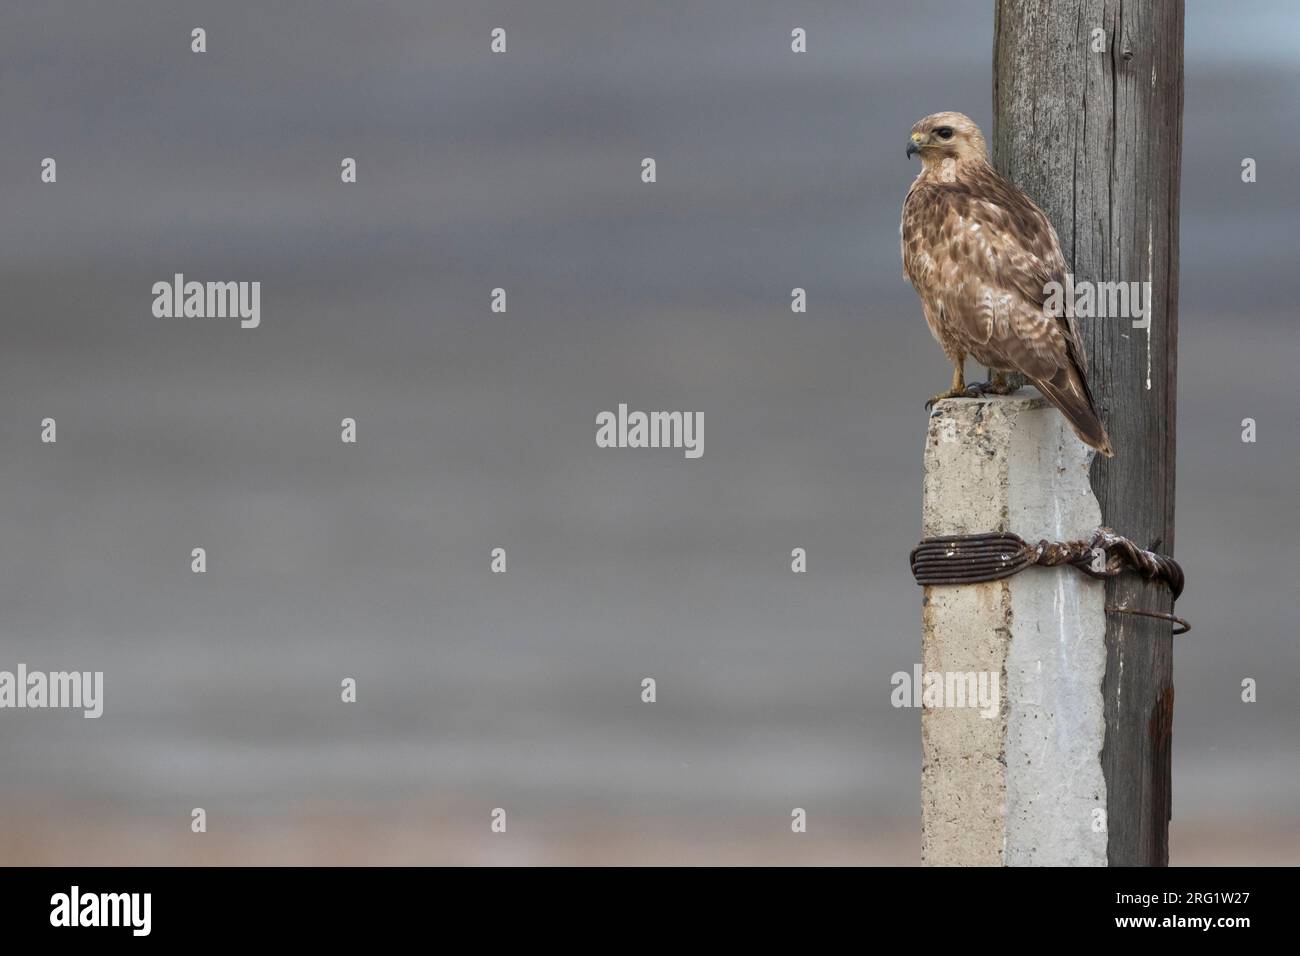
[913, 145]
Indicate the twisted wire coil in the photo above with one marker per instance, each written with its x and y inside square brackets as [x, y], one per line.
[975, 558]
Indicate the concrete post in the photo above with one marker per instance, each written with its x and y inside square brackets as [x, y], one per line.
[1022, 785]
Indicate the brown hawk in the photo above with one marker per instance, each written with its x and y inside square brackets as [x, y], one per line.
[981, 254]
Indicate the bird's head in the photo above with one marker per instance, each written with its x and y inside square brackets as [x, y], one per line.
[943, 136]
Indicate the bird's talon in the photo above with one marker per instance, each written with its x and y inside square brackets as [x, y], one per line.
[997, 385]
[951, 393]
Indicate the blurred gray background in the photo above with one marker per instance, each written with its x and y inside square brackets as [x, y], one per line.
[477, 430]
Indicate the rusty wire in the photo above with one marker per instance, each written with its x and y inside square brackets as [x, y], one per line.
[974, 558]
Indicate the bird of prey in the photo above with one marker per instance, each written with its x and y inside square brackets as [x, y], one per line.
[981, 254]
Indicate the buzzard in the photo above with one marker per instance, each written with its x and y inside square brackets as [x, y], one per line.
[981, 254]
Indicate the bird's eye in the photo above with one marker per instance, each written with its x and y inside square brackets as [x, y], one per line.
[944, 132]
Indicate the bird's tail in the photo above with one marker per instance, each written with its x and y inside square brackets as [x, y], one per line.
[1068, 391]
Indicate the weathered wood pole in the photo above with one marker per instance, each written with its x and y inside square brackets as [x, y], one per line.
[1089, 124]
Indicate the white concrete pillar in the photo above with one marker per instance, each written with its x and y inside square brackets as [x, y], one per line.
[1024, 786]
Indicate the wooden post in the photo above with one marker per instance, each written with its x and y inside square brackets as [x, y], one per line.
[1095, 137]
